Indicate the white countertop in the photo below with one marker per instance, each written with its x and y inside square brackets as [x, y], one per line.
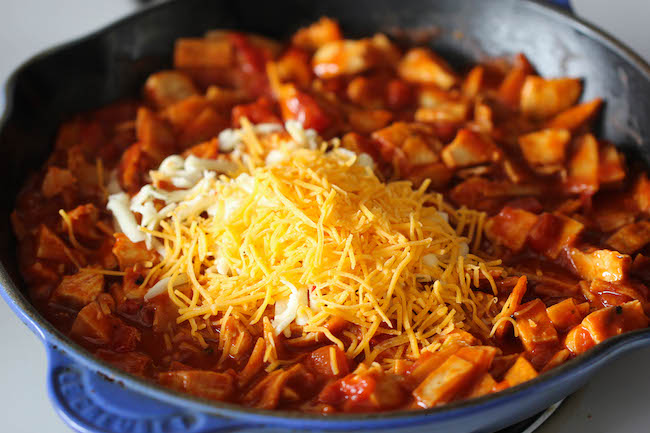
[615, 401]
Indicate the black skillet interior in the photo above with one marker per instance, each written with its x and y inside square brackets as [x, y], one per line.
[114, 62]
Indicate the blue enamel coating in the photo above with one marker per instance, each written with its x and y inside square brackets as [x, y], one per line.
[90, 403]
[92, 396]
[566, 4]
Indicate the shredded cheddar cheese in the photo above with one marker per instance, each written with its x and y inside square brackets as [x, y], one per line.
[314, 235]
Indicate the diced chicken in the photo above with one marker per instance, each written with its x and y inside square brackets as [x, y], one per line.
[536, 331]
[84, 220]
[165, 313]
[583, 177]
[438, 173]
[510, 89]
[545, 150]
[345, 57]
[56, 181]
[611, 166]
[542, 98]
[480, 356]
[501, 365]
[578, 340]
[235, 339]
[445, 382]
[368, 121]
[168, 87]
[407, 145]
[267, 393]
[133, 362]
[133, 165]
[459, 338]
[317, 34]
[510, 227]
[564, 315]
[260, 111]
[366, 389]
[93, 325]
[611, 321]
[613, 215]
[470, 148]
[642, 193]
[631, 238]
[154, 134]
[369, 92]
[208, 124]
[603, 265]
[605, 294]
[78, 290]
[305, 108]
[473, 82]
[522, 371]
[201, 383]
[558, 358]
[203, 53]
[294, 66]
[577, 116]
[552, 233]
[427, 363]
[450, 112]
[51, 247]
[328, 361]
[182, 113]
[125, 338]
[483, 117]
[254, 364]
[132, 288]
[399, 94]
[483, 386]
[41, 273]
[129, 254]
[421, 65]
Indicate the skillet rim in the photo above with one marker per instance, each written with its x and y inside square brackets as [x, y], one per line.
[55, 340]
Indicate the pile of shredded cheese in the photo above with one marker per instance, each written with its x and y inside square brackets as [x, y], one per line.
[301, 231]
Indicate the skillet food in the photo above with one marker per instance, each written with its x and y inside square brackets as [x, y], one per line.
[333, 225]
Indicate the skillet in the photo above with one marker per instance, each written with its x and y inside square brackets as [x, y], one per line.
[113, 63]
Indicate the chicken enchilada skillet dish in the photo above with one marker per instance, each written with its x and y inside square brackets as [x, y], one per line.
[333, 225]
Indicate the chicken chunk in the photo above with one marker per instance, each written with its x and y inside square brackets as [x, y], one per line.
[575, 117]
[583, 167]
[630, 238]
[552, 233]
[543, 98]
[168, 87]
[203, 53]
[421, 65]
[545, 150]
[468, 149]
[597, 264]
[78, 290]
[510, 227]
[201, 383]
[317, 34]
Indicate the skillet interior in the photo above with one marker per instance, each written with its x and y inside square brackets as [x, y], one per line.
[114, 62]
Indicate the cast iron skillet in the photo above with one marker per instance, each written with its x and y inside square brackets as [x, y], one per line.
[112, 63]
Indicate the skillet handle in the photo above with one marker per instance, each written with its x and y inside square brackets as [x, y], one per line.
[90, 403]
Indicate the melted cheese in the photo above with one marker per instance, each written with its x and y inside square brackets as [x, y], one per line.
[297, 234]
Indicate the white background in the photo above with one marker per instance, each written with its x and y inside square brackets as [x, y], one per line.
[616, 401]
